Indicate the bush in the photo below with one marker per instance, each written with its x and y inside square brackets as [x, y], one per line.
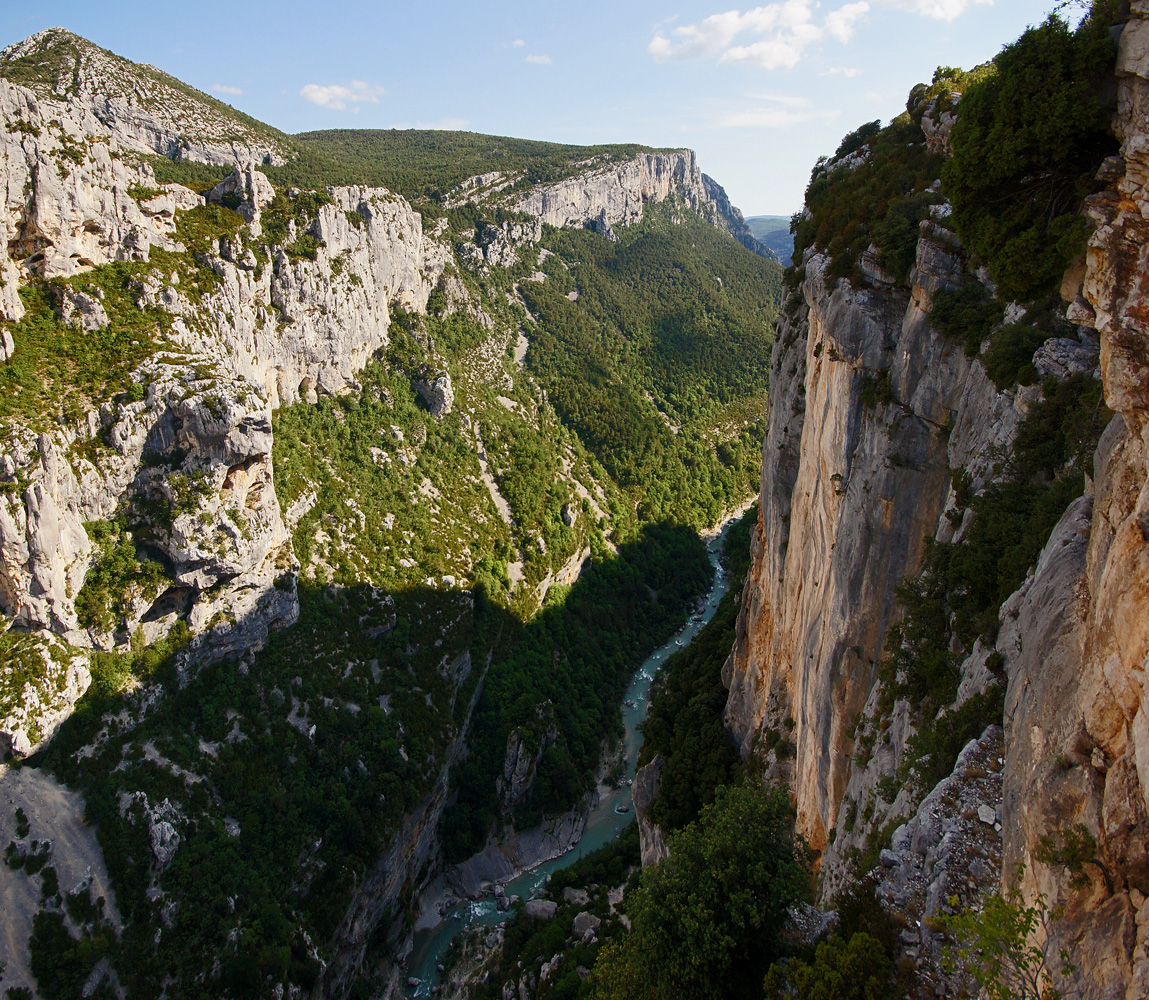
[857, 969]
[118, 578]
[881, 201]
[966, 315]
[1009, 358]
[993, 947]
[707, 921]
[1027, 142]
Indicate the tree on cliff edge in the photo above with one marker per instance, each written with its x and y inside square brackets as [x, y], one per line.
[707, 920]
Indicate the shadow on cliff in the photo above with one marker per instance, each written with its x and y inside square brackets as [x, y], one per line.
[240, 804]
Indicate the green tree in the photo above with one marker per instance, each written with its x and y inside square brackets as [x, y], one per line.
[997, 948]
[858, 969]
[1026, 145]
[707, 920]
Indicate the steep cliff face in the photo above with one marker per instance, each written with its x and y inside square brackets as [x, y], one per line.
[1076, 711]
[852, 489]
[852, 494]
[615, 194]
[244, 335]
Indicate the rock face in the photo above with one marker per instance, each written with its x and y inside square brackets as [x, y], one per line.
[145, 108]
[263, 337]
[840, 523]
[948, 850]
[851, 495]
[647, 780]
[1077, 710]
[39, 694]
[730, 218]
[611, 195]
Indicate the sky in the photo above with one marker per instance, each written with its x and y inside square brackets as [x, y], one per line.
[758, 92]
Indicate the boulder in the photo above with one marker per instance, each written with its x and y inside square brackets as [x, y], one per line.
[586, 922]
[540, 909]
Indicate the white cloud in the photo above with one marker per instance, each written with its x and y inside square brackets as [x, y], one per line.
[790, 100]
[518, 43]
[539, 60]
[840, 23]
[846, 71]
[770, 110]
[782, 51]
[338, 97]
[785, 29]
[223, 88]
[940, 10]
[771, 117]
[766, 118]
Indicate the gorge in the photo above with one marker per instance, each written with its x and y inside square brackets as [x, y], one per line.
[347, 478]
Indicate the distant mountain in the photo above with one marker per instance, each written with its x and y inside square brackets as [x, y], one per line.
[773, 232]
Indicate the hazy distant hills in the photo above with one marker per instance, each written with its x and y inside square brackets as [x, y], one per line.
[773, 231]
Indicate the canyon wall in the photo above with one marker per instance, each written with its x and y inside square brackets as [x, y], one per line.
[243, 325]
[856, 484]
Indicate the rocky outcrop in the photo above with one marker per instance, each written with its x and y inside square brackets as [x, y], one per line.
[1077, 708]
[40, 680]
[647, 781]
[846, 513]
[147, 110]
[730, 218]
[604, 196]
[266, 333]
[852, 490]
[250, 326]
[945, 859]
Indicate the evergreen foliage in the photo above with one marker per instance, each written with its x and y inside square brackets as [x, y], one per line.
[1027, 142]
[880, 200]
[118, 578]
[671, 328]
[685, 722]
[854, 969]
[707, 920]
[576, 660]
[426, 164]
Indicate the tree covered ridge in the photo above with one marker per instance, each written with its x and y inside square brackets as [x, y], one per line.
[1026, 146]
[1032, 127]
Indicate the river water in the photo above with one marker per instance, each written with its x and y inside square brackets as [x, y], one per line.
[605, 822]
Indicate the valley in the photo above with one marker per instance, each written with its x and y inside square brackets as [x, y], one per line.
[446, 564]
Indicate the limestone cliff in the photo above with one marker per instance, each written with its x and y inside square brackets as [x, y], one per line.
[1077, 712]
[144, 107]
[248, 319]
[879, 428]
[614, 194]
[245, 335]
[178, 330]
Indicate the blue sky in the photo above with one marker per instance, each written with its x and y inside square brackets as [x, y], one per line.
[759, 92]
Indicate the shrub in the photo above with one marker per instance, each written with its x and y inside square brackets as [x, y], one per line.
[1009, 357]
[854, 969]
[1027, 142]
[966, 315]
[707, 920]
[880, 201]
[993, 947]
[117, 579]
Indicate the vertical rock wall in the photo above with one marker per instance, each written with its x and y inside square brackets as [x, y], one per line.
[850, 496]
[1077, 712]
